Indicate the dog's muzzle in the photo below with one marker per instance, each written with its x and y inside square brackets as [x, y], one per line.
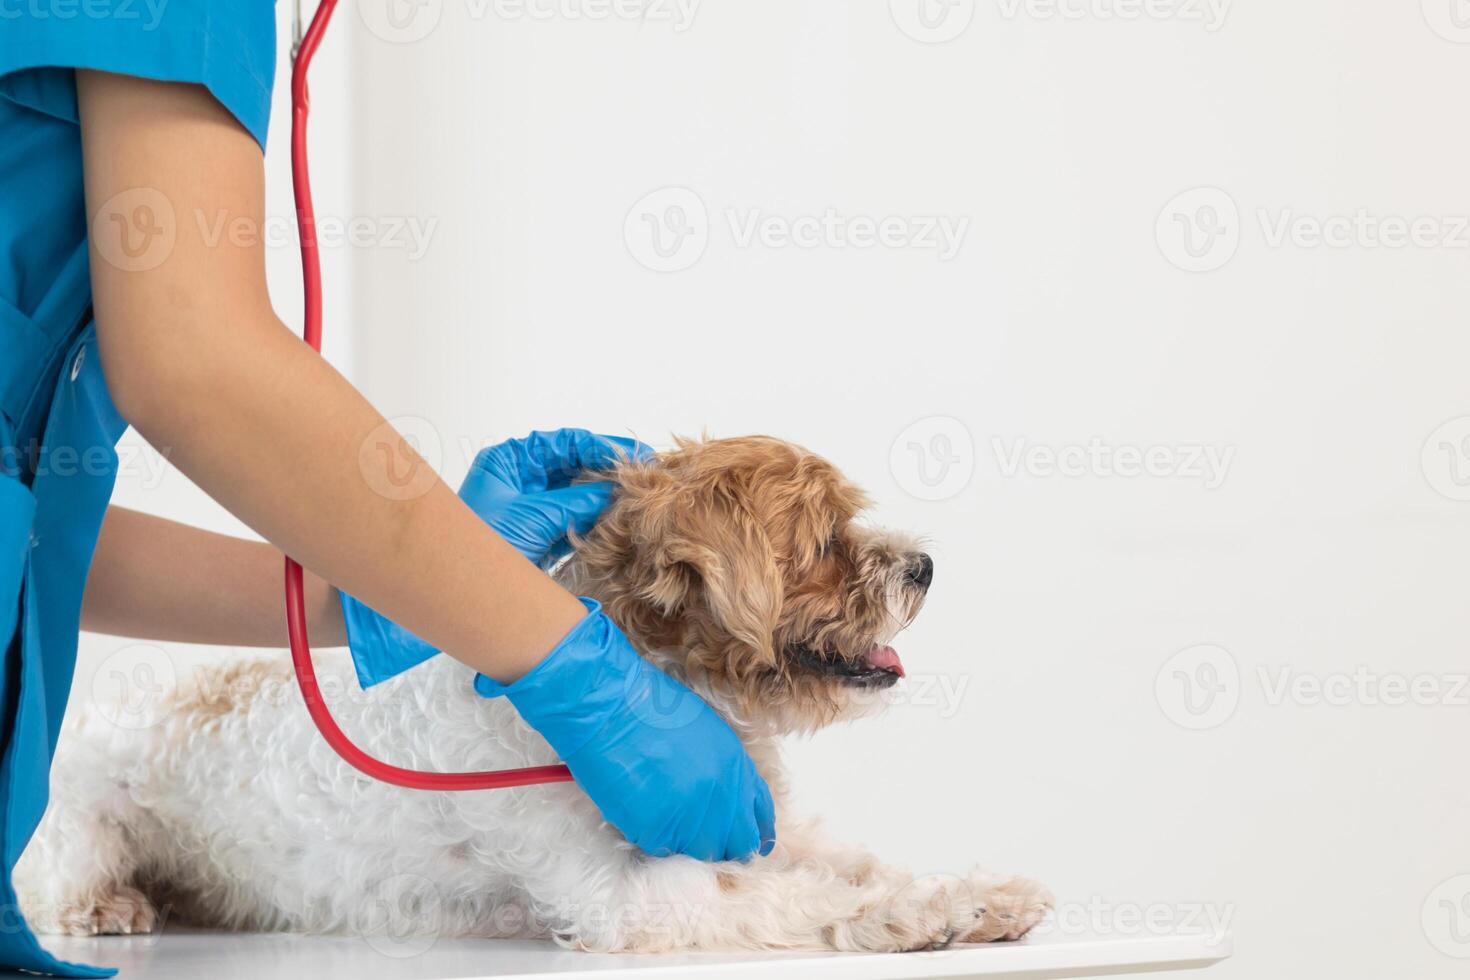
[879, 667]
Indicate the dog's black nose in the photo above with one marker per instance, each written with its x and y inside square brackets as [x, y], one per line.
[921, 570]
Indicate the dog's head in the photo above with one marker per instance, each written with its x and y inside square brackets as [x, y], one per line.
[737, 563]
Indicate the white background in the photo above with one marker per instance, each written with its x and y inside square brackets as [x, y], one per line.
[1046, 728]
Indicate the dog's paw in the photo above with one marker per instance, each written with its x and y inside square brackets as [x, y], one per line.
[124, 911]
[1008, 906]
[925, 913]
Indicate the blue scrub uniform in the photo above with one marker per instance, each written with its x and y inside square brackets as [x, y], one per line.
[58, 426]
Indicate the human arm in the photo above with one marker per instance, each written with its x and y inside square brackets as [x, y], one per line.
[157, 579]
[198, 362]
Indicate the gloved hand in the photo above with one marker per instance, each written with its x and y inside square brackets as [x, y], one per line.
[523, 489]
[663, 768]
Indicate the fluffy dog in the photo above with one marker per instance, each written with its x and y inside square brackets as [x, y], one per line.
[736, 565]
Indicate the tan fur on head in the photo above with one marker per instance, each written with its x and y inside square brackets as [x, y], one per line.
[738, 563]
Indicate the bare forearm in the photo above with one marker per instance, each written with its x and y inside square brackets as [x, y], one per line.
[330, 482]
[156, 579]
[198, 362]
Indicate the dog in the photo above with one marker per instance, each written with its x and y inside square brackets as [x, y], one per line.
[737, 565]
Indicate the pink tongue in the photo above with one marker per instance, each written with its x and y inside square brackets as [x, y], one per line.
[885, 658]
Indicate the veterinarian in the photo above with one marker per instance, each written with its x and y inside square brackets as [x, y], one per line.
[126, 132]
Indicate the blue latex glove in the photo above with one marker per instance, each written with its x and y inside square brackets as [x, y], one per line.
[663, 768]
[523, 489]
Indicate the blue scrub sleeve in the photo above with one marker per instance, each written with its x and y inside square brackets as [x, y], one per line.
[53, 395]
[228, 46]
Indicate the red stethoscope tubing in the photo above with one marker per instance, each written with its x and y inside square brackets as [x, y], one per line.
[311, 273]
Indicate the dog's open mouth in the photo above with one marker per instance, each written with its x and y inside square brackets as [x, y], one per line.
[879, 667]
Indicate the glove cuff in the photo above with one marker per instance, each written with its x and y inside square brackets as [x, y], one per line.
[583, 681]
[550, 665]
[381, 649]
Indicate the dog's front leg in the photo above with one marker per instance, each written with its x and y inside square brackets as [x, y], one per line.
[1011, 905]
[777, 902]
[1007, 906]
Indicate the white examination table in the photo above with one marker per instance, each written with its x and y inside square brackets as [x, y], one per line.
[181, 954]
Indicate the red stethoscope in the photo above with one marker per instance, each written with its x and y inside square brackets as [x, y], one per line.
[305, 45]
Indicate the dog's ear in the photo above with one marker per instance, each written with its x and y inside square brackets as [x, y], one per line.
[681, 560]
[720, 557]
